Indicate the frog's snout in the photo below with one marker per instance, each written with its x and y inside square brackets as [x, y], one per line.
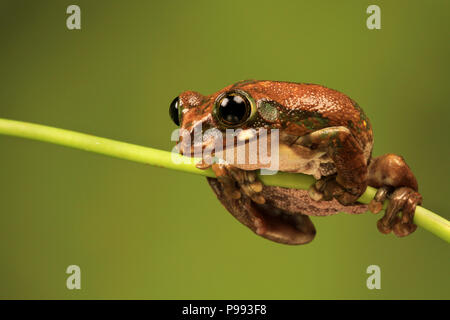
[191, 99]
[198, 136]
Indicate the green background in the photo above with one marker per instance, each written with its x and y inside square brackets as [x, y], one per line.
[144, 232]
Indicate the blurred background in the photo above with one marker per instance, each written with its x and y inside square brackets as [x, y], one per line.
[139, 232]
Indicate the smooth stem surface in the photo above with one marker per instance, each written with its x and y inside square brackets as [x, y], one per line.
[422, 217]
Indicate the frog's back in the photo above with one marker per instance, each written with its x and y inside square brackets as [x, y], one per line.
[308, 107]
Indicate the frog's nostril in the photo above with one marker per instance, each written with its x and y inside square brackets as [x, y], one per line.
[174, 111]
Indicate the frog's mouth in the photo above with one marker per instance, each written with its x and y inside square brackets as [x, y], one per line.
[267, 220]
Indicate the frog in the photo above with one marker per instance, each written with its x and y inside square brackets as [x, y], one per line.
[321, 132]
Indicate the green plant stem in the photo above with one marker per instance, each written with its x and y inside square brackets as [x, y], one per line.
[423, 217]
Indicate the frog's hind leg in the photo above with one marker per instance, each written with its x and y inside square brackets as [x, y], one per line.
[280, 225]
[395, 181]
[266, 220]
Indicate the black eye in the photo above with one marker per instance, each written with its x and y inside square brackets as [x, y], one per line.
[233, 108]
[173, 111]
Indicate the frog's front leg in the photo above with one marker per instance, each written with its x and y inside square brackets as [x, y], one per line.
[350, 182]
[236, 181]
[395, 181]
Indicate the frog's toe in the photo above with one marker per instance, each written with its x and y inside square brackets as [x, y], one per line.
[237, 181]
[328, 188]
[315, 194]
[376, 204]
[253, 191]
[404, 229]
[403, 200]
[227, 182]
[318, 191]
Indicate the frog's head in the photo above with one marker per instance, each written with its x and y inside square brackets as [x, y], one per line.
[244, 105]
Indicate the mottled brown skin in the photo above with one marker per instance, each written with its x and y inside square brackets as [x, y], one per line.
[319, 125]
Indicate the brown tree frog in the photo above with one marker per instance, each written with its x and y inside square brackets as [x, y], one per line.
[323, 133]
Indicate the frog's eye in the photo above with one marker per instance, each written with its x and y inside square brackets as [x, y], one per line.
[233, 108]
[174, 112]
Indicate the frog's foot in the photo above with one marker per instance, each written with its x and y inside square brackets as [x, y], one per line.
[328, 188]
[403, 200]
[396, 182]
[236, 181]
